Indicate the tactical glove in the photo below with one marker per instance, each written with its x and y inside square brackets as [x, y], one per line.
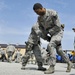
[48, 38]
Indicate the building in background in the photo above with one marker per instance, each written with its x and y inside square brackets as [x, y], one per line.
[20, 47]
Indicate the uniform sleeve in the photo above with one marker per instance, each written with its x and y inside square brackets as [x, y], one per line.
[56, 23]
[36, 29]
[34, 35]
[55, 18]
[54, 14]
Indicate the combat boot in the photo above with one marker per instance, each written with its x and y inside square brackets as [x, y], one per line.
[41, 68]
[24, 61]
[50, 70]
[70, 65]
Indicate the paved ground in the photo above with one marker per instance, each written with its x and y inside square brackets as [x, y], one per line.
[31, 69]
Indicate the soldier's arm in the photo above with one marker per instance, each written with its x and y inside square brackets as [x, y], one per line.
[36, 29]
[55, 21]
[33, 38]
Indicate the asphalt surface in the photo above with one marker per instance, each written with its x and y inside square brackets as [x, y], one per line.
[31, 69]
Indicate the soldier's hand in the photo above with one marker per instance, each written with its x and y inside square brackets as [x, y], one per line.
[48, 38]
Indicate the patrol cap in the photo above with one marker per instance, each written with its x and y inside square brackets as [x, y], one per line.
[37, 6]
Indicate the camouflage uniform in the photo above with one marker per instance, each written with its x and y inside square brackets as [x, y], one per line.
[49, 24]
[3, 56]
[33, 40]
[10, 51]
[17, 56]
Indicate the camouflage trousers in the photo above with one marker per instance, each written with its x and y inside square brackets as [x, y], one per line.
[55, 46]
[10, 54]
[37, 52]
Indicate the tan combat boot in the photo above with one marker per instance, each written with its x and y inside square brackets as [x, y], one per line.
[50, 70]
[69, 67]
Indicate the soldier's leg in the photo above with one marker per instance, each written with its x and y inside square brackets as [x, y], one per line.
[38, 57]
[25, 59]
[51, 48]
[52, 58]
[61, 53]
[9, 55]
[3, 57]
[66, 59]
[19, 59]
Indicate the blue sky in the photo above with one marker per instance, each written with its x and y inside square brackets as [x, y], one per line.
[17, 18]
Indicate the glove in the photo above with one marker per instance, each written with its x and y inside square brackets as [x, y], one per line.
[48, 38]
[29, 46]
[39, 42]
